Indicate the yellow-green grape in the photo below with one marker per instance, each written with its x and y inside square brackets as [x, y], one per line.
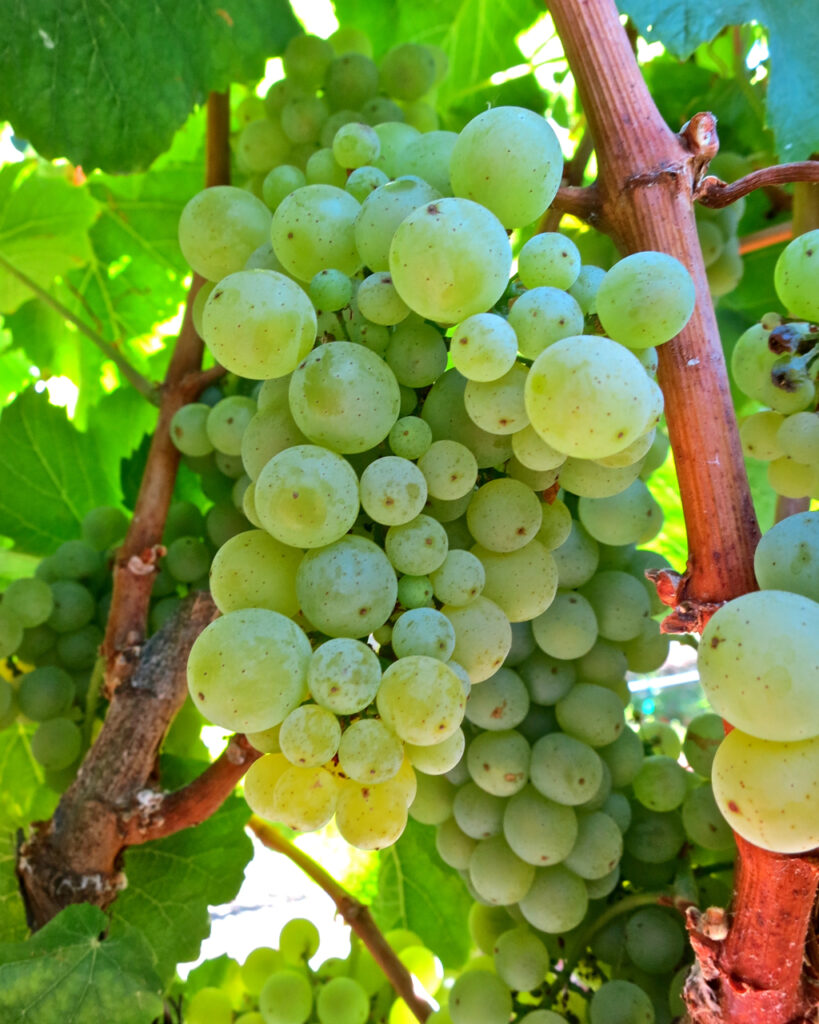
[309, 736]
[342, 1001]
[549, 258]
[542, 316]
[381, 213]
[254, 570]
[533, 452]
[369, 752]
[393, 490]
[313, 229]
[344, 675]
[497, 406]
[759, 662]
[437, 758]
[298, 941]
[621, 1002]
[521, 959]
[483, 637]
[787, 557]
[423, 631]
[459, 579]
[538, 829]
[798, 437]
[591, 713]
[259, 323]
[758, 434]
[483, 347]
[796, 276]
[417, 547]
[209, 1006]
[702, 739]
[479, 997]
[504, 515]
[248, 669]
[449, 468]
[450, 259]
[704, 822]
[260, 784]
[421, 699]
[428, 157]
[508, 159]
[258, 967]
[305, 798]
[220, 227]
[286, 998]
[767, 790]
[565, 769]
[371, 817]
[593, 479]
[523, 583]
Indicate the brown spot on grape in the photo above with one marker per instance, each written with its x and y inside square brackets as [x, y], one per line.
[716, 641]
[200, 695]
[733, 806]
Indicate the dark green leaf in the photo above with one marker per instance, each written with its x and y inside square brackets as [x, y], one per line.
[106, 84]
[417, 891]
[44, 222]
[172, 882]
[793, 41]
[52, 475]
[68, 972]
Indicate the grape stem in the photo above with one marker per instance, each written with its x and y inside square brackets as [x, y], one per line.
[715, 193]
[355, 913]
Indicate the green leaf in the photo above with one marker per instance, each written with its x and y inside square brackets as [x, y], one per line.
[478, 36]
[417, 891]
[171, 883]
[68, 972]
[24, 797]
[793, 41]
[44, 222]
[106, 84]
[52, 475]
[13, 927]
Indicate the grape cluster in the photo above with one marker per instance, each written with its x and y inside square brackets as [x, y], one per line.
[51, 626]
[759, 666]
[776, 362]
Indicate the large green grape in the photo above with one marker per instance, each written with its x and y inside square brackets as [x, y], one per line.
[787, 557]
[796, 276]
[313, 229]
[253, 570]
[220, 227]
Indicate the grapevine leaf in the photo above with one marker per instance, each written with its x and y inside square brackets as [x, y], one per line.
[417, 891]
[171, 883]
[52, 474]
[24, 796]
[107, 84]
[68, 972]
[44, 222]
[13, 926]
[793, 39]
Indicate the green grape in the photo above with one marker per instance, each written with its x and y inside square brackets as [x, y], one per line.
[259, 323]
[188, 559]
[620, 604]
[605, 663]
[504, 515]
[547, 679]
[499, 761]
[260, 784]
[792, 479]
[661, 784]
[565, 769]
[305, 799]
[450, 259]
[257, 968]
[568, 627]
[423, 631]
[309, 735]
[433, 800]
[796, 276]
[586, 286]
[321, 171]
[253, 570]
[393, 490]
[620, 1002]
[286, 998]
[421, 699]
[380, 303]
[417, 547]
[631, 517]
[598, 848]
[307, 496]
[344, 397]
[654, 836]
[408, 71]
[556, 525]
[591, 713]
[454, 846]
[577, 557]
[184, 520]
[532, 451]
[549, 258]
[303, 117]
[74, 559]
[224, 521]
[56, 744]
[29, 601]
[437, 758]
[648, 650]
[521, 959]
[765, 790]
[373, 816]
[365, 180]
[751, 364]
[330, 290]
[483, 636]
[703, 822]
[313, 229]
[589, 479]
[356, 145]
[758, 434]
[542, 316]
[758, 660]
[702, 738]
[247, 670]
[786, 558]
[479, 997]
[279, 183]
[635, 453]
[46, 692]
[661, 738]
[478, 813]
[347, 588]
[342, 1001]
[298, 941]
[74, 607]
[538, 829]
[209, 1006]
[413, 592]
[220, 227]
[655, 940]
[645, 299]
[449, 469]
[428, 155]
[306, 59]
[445, 412]
[369, 751]
[381, 213]
[78, 650]
[416, 353]
[557, 900]
[459, 579]
[350, 81]
[483, 347]
[104, 526]
[497, 874]
[269, 432]
[508, 159]
[589, 396]
[262, 144]
[410, 437]
[501, 702]
[343, 675]
[542, 1016]
[798, 437]
[497, 406]
[266, 741]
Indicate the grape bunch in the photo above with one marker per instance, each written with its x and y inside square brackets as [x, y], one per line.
[759, 666]
[776, 362]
